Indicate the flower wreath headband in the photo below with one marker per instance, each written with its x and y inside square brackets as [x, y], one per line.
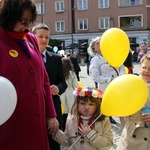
[89, 92]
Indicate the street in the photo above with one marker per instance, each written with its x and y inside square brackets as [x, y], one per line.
[87, 80]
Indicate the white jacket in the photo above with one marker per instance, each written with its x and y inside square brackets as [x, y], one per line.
[67, 98]
[102, 72]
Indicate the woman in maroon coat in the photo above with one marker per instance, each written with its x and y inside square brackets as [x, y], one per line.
[21, 63]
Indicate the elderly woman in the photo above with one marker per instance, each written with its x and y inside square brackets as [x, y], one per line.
[100, 70]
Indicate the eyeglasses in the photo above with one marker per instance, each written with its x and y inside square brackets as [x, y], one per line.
[25, 22]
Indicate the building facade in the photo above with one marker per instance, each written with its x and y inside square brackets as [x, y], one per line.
[78, 21]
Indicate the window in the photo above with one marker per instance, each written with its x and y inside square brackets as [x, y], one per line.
[40, 8]
[59, 6]
[103, 3]
[60, 26]
[131, 21]
[82, 4]
[104, 23]
[83, 24]
[130, 2]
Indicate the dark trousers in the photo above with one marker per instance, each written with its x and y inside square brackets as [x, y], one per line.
[77, 74]
[53, 144]
[96, 85]
[64, 121]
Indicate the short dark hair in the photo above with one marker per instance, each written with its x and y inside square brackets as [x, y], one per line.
[11, 11]
[40, 26]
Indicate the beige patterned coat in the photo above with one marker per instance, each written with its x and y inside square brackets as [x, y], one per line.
[96, 139]
[135, 135]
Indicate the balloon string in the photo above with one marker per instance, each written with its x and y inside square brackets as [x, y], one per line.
[116, 71]
[85, 134]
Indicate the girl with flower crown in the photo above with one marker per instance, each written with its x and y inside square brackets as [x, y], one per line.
[86, 128]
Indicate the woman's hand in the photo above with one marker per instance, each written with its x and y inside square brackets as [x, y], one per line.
[52, 125]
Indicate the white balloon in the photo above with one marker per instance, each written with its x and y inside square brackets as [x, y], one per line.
[8, 99]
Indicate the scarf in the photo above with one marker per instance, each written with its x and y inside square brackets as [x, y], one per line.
[90, 120]
[20, 38]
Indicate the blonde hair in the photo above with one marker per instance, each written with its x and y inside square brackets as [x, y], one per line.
[91, 48]
[146, 56]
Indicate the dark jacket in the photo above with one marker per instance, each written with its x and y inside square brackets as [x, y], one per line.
[54, 69]
[128, 61]
[75, 64]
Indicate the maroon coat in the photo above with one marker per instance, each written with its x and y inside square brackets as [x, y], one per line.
[26, 128]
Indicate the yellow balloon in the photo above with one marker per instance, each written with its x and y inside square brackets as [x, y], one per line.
[124, 96]
[62, 108]
[126, 70]
[80, 84]
[115, 46]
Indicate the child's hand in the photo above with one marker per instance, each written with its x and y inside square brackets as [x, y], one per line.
[54, 89]
[146, 118]
[84, 129]
[52, 125]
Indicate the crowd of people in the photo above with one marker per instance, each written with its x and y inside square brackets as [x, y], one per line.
[44, 81]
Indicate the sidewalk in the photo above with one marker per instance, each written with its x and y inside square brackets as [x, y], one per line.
[87, 80]
[116, 128]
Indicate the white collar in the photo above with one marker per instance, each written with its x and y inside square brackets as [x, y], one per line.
[85, 117]
[44, 52]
